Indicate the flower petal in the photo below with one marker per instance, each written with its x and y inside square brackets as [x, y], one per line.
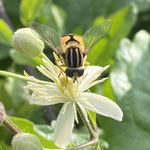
[47, 73]
[90, 74]
[45, 94]
[51, 67]
[64, 125]
[102, 105]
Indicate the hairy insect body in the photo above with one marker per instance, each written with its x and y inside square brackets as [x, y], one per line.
[72, 46]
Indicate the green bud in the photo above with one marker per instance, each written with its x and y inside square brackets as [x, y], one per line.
[2, 113]
[26, 141]
[26, 42]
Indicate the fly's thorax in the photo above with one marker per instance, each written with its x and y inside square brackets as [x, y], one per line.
[71, 40]
[73, 50]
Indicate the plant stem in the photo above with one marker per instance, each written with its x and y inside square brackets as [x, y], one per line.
[87, 123]
[10, 125]
[91, 142]
[13, 75]
[42, 55]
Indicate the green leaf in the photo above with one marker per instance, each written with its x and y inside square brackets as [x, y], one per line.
[5, 39]
[45, 131]
[130, 80]
[142, 5]
[29, 10]
[122, 23]
[28, 126]
[1, 148]
[92, 116]
[12, 10]
[53, 16]
[21, 59]
[4, 51]
[107, 90]
[4, 142]
[5, 33]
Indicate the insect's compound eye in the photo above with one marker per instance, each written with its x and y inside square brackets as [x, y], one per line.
[80, 72]
[69, 72]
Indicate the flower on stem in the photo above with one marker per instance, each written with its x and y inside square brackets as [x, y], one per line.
[71, 94]
[27, 43]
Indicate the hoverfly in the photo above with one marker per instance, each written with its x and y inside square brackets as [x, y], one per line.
[73, 48]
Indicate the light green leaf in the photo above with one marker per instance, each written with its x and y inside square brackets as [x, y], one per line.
[122, 23]
[45, 131]
[21, 59]
[107, 90]
[5, 39]
[5, 33]
[1, 148]
[92, 116]
[130, 80]
[28, 126]
[29, 10]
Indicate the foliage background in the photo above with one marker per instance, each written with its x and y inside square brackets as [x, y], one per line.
[126, 48]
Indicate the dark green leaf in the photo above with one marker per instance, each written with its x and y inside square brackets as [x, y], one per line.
[122, 23]
[4, 50]
[53, 16]
[130, 80]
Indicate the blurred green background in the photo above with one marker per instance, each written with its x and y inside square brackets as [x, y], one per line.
[126, 48]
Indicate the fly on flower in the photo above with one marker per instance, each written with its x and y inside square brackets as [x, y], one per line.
[72, 48]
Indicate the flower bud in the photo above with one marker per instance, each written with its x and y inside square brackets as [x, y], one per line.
[25, 41]
[26, 141]
[2, 113]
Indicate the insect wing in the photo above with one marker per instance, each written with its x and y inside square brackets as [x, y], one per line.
[95, 34]
[47, 35]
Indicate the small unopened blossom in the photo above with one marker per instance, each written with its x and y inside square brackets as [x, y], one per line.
[64, 90]
[26, 42]
[26, 141]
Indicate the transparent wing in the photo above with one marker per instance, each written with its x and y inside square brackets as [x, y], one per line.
[95, 34]
[47, 35]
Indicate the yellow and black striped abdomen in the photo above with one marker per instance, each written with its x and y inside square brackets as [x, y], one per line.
[73, 57]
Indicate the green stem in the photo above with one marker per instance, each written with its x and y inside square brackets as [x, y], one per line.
[21, 77]
[10, 125]
[87, 123]
[91, 142]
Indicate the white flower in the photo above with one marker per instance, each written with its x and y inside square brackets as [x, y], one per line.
[64, 90]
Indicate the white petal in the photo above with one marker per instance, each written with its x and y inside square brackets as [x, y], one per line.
[96, 82]
[43, 101]
[51, 67]
[90, 74]
[45, 94]
[64, 125]
[47, 73]
[102, 105]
